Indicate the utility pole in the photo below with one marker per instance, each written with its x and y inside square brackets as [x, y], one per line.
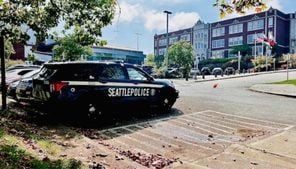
[167, 37]
[138, 34]
[274, 60]
[288, 62]
[3, 78]
[266, 59]
[239, 62]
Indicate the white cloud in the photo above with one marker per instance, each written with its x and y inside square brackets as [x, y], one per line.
[157, 20]
[154, 20]
[127, 12]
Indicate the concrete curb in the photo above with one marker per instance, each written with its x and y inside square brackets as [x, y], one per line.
[241, 76]
[258, 88]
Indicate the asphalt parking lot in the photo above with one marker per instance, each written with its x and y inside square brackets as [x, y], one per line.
[226, 127]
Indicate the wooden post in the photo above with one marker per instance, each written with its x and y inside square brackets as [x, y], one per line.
[3, 78]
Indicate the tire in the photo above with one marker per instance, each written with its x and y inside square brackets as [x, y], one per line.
[166, 105]
[90, 111]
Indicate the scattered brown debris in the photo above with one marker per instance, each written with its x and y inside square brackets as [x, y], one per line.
[101, 155]
[148, 160]
[253, 163]
[250, 133]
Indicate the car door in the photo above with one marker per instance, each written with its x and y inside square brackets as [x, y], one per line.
[143, 89]
[112, 83]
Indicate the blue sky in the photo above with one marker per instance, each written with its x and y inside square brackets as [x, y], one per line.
[146, 18]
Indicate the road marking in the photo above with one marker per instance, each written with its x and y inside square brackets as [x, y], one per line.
[264, 121]
[241, 123]
[188, 136]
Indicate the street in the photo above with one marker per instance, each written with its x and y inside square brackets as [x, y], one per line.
[233, 96]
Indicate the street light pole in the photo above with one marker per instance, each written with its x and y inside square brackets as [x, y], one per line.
[3, 78]
[167, 36]
[239, 62]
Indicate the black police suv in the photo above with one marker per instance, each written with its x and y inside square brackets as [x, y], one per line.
[97, 86]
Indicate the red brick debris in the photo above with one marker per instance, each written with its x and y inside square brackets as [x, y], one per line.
[156, 161]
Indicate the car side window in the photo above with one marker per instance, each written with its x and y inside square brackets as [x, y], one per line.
[112, 72]
[21, 73]
[135, 74]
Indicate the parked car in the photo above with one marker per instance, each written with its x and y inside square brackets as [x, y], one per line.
[206, 71]
[217, 71]
[193, 72]
[148, 69]
[93, 87]
[16, 74]
[23, 66]
[229, 71]
[173, 73]
[17, 85]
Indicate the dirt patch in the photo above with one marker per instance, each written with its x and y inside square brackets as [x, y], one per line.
[248, 134]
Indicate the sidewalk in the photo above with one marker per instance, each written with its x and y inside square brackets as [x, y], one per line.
[213, 78]
[276, 89]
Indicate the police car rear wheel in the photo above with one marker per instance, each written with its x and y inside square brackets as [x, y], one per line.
[91, 111]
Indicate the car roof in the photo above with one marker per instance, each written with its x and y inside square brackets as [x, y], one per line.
[87, 62]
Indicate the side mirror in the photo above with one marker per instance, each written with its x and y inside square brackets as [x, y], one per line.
[150, 79]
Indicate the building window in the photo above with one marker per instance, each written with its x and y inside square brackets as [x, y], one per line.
[235, 28]
[218, 43]
[270, 22]
[162, 51]
[259, 50]
[162, 42]
[218, 54]
[185, 37]
[251, 38]
[235, 41]
[219, 32]
[173, 40]
[255, 25]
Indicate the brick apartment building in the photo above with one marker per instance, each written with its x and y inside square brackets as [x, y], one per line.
[215, 40]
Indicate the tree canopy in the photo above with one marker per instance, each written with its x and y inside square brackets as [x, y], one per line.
[239, 6]
[42, 15]
[150, 60]
[73, 47]
[243, 49]
[181, 54]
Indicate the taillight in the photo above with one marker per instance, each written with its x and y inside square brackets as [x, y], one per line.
[57, 86]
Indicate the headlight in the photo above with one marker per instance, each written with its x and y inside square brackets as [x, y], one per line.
[13, 84]
[172, 84]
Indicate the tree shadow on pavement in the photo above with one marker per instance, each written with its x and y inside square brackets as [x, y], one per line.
[37, 121]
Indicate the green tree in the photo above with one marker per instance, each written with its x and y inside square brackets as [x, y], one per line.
[73, 47]
[182, 54]
[42, 15]
[159, 59]
[239, 6]
[8, 49]
[243, 49]
[150, 60]
[31, 58]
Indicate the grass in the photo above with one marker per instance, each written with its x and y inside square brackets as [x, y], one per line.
[49, 147]
[292, 82]
[13, 157]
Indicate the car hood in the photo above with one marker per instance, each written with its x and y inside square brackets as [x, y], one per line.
[164, 81]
